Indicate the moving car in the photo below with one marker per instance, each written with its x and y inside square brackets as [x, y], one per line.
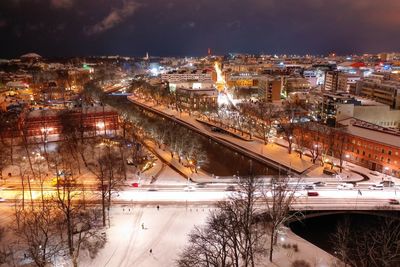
[152, 189]
[312, 194]
[309, 187]
[189, 188]
[393, 201]
[387, 183]
[376, 187]
[345, 186]
[319, 183]
[230, 188]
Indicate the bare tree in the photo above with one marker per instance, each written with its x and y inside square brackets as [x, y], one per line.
[377, 244]
[38, 232]
[232, 235]
[278, 202]
[109, 172]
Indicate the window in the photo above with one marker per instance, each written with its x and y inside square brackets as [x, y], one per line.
[383, 151]
[389, 152]
[388, 160]
[369, 155]
[363, 153]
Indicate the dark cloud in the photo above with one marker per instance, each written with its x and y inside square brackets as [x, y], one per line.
[62, 3]
[115, 17]
[189, 27]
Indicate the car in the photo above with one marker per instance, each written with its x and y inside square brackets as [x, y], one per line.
[2, 199]
[375, 173]
[312, 194]
[152, 189]
[387, 183]
[319, 184]
[201, 185]
[189, 188]
[135, 184]
[230, 188]
[330, 172]
[345, 186]
[309, 187]
[376, 187]
[393, 201]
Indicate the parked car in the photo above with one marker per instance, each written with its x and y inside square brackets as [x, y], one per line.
[376, 187]
[393, 201]
[2, 199]
[345, 186]
[329, 172]
[135, 184]
[312, 194]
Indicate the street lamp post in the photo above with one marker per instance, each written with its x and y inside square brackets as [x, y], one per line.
[347, 156]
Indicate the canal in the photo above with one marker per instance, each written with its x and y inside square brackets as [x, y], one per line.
[354, 233]
[220, 160]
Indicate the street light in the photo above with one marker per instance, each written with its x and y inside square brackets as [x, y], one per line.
[386, 170]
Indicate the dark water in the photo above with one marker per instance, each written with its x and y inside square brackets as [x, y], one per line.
[320, 230]
[221, 161]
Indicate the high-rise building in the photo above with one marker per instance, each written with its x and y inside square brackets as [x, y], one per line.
[270, 88]
[331, 81]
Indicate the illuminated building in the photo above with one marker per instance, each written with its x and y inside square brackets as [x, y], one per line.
[365, 144]
[91, 121]
[270, 88]
[382, 90]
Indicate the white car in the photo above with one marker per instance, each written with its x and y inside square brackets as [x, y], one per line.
[376, 187]
[345, 186]
[2, 199]
[189, 188]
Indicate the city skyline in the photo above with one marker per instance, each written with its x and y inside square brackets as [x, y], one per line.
[134, 27]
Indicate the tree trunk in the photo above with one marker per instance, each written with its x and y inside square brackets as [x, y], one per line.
[271, 249]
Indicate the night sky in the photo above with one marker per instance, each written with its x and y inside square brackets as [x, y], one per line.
[189, 27]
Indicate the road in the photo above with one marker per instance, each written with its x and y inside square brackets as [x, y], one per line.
[329, 198]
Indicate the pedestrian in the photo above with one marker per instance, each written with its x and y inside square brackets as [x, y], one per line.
[158, 207]
[123, 210]
[142, 226]
[151, 251]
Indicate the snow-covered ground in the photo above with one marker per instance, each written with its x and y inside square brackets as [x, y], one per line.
[165, 232]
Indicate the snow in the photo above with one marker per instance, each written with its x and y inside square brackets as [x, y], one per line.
[165, 232]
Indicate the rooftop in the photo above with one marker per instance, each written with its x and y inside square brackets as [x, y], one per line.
[372, 132]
